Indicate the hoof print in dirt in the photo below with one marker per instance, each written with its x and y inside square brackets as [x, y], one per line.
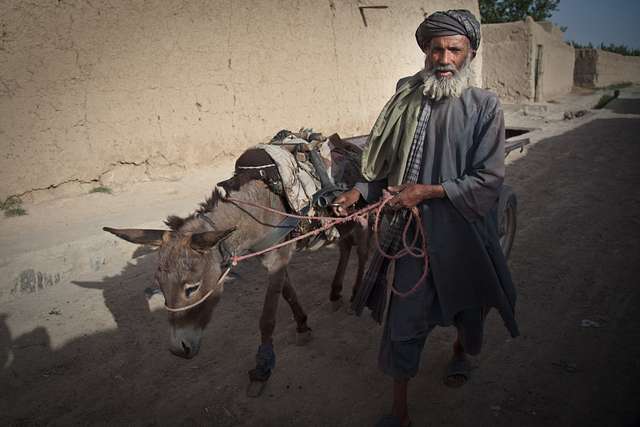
[303, 338]
[337, 305]
[258, 379]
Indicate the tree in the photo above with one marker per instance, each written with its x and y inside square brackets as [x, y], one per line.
[496, 11]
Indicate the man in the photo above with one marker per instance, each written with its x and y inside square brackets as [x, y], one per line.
[439, 145]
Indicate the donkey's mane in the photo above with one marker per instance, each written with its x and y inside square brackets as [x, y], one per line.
[175, 222]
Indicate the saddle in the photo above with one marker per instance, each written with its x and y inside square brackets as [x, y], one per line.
[307, 170]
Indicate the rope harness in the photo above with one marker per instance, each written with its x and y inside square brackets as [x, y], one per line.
[361, 216]
[201, 300]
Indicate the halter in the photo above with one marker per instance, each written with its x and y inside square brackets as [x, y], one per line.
[224, 265]
[201, 300]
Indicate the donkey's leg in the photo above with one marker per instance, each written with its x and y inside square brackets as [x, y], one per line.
[303, 331]
[275, 262]
[290, 295]
[335, 297]
[361, 236]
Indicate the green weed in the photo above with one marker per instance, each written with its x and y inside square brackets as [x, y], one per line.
[101, 189]
[606, 98]
[12, 206]
[618, 86]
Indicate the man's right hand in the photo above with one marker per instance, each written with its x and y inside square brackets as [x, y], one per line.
[344, 201]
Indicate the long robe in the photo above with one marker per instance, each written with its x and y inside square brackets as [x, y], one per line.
[464, 152]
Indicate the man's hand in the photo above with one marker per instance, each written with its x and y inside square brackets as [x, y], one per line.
[344, 201]
[410, 195]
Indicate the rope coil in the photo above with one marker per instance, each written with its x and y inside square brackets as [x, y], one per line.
[360, 216]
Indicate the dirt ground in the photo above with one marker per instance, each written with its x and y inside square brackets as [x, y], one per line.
[575, 262]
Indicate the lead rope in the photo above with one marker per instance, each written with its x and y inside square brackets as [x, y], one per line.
[360, 216]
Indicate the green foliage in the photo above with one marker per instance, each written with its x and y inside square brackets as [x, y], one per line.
[620, 48]
[605, 99]
[618, 86]
[12, 207]
[16, 211]
[496, 11]
[101, 189]
[611, 47]
[577, 45]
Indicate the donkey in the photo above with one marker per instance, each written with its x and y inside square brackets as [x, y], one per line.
[193, 257]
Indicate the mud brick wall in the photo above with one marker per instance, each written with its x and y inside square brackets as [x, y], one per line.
[597, 68]
[510, 55]
[109, 93]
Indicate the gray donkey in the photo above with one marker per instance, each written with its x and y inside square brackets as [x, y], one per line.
[194, 254]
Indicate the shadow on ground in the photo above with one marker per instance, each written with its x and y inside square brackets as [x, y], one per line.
[624, 106]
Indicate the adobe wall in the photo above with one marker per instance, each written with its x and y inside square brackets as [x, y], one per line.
[507, 60]
[510, 56]
[112, 92]
[558, 60]
[598, 68]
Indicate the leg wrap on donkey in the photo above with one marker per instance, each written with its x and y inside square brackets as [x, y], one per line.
[265, 362]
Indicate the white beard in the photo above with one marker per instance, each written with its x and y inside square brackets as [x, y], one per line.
[437, 88]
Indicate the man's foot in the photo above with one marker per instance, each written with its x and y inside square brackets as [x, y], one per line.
[458, 370]
[393, 421]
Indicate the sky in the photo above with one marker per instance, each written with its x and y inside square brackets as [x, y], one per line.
[596, 21]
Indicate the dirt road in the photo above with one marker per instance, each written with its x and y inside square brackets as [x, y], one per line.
[575, 262]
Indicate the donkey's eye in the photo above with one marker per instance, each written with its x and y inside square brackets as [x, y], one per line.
[190, 288]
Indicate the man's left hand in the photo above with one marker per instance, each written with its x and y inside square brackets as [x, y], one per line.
[410, 195]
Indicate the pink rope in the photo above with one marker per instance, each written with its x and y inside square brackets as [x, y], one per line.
[317, 218]
[361, 216]
[409, 249]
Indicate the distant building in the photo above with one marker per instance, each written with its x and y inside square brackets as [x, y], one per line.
[597, 68]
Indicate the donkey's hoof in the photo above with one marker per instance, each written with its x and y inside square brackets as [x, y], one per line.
[255, 388]
[303, 338]
[337, 304]
[350, 311]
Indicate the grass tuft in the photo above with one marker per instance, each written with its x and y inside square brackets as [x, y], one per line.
[12, 206]
[101, 189]
[618, 86]
[606, 98]
[15, 211]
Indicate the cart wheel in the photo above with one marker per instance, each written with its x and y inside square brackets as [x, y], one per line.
[507, 220]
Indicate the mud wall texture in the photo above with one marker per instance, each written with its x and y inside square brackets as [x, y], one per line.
[597, 68]
[527, 61]
[507, 60]
[557, 60]
[112, 92]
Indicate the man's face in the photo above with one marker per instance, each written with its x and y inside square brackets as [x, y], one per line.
[448, 53]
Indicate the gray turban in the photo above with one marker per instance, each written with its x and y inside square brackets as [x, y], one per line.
[449, 23]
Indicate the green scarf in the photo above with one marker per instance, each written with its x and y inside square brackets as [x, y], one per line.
[389, 143]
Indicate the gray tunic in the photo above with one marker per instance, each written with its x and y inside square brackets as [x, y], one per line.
[463, 151]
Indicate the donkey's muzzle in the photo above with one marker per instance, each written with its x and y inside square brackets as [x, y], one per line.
[185, 342]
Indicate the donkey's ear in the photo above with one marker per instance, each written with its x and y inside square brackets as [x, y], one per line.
[139, 235]
[208, 239]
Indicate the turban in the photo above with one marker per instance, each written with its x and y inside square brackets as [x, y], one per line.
[449, 23]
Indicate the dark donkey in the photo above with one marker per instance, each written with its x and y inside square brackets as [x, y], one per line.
[193, 257]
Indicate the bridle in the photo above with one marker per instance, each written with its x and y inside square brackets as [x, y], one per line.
[201, 300]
